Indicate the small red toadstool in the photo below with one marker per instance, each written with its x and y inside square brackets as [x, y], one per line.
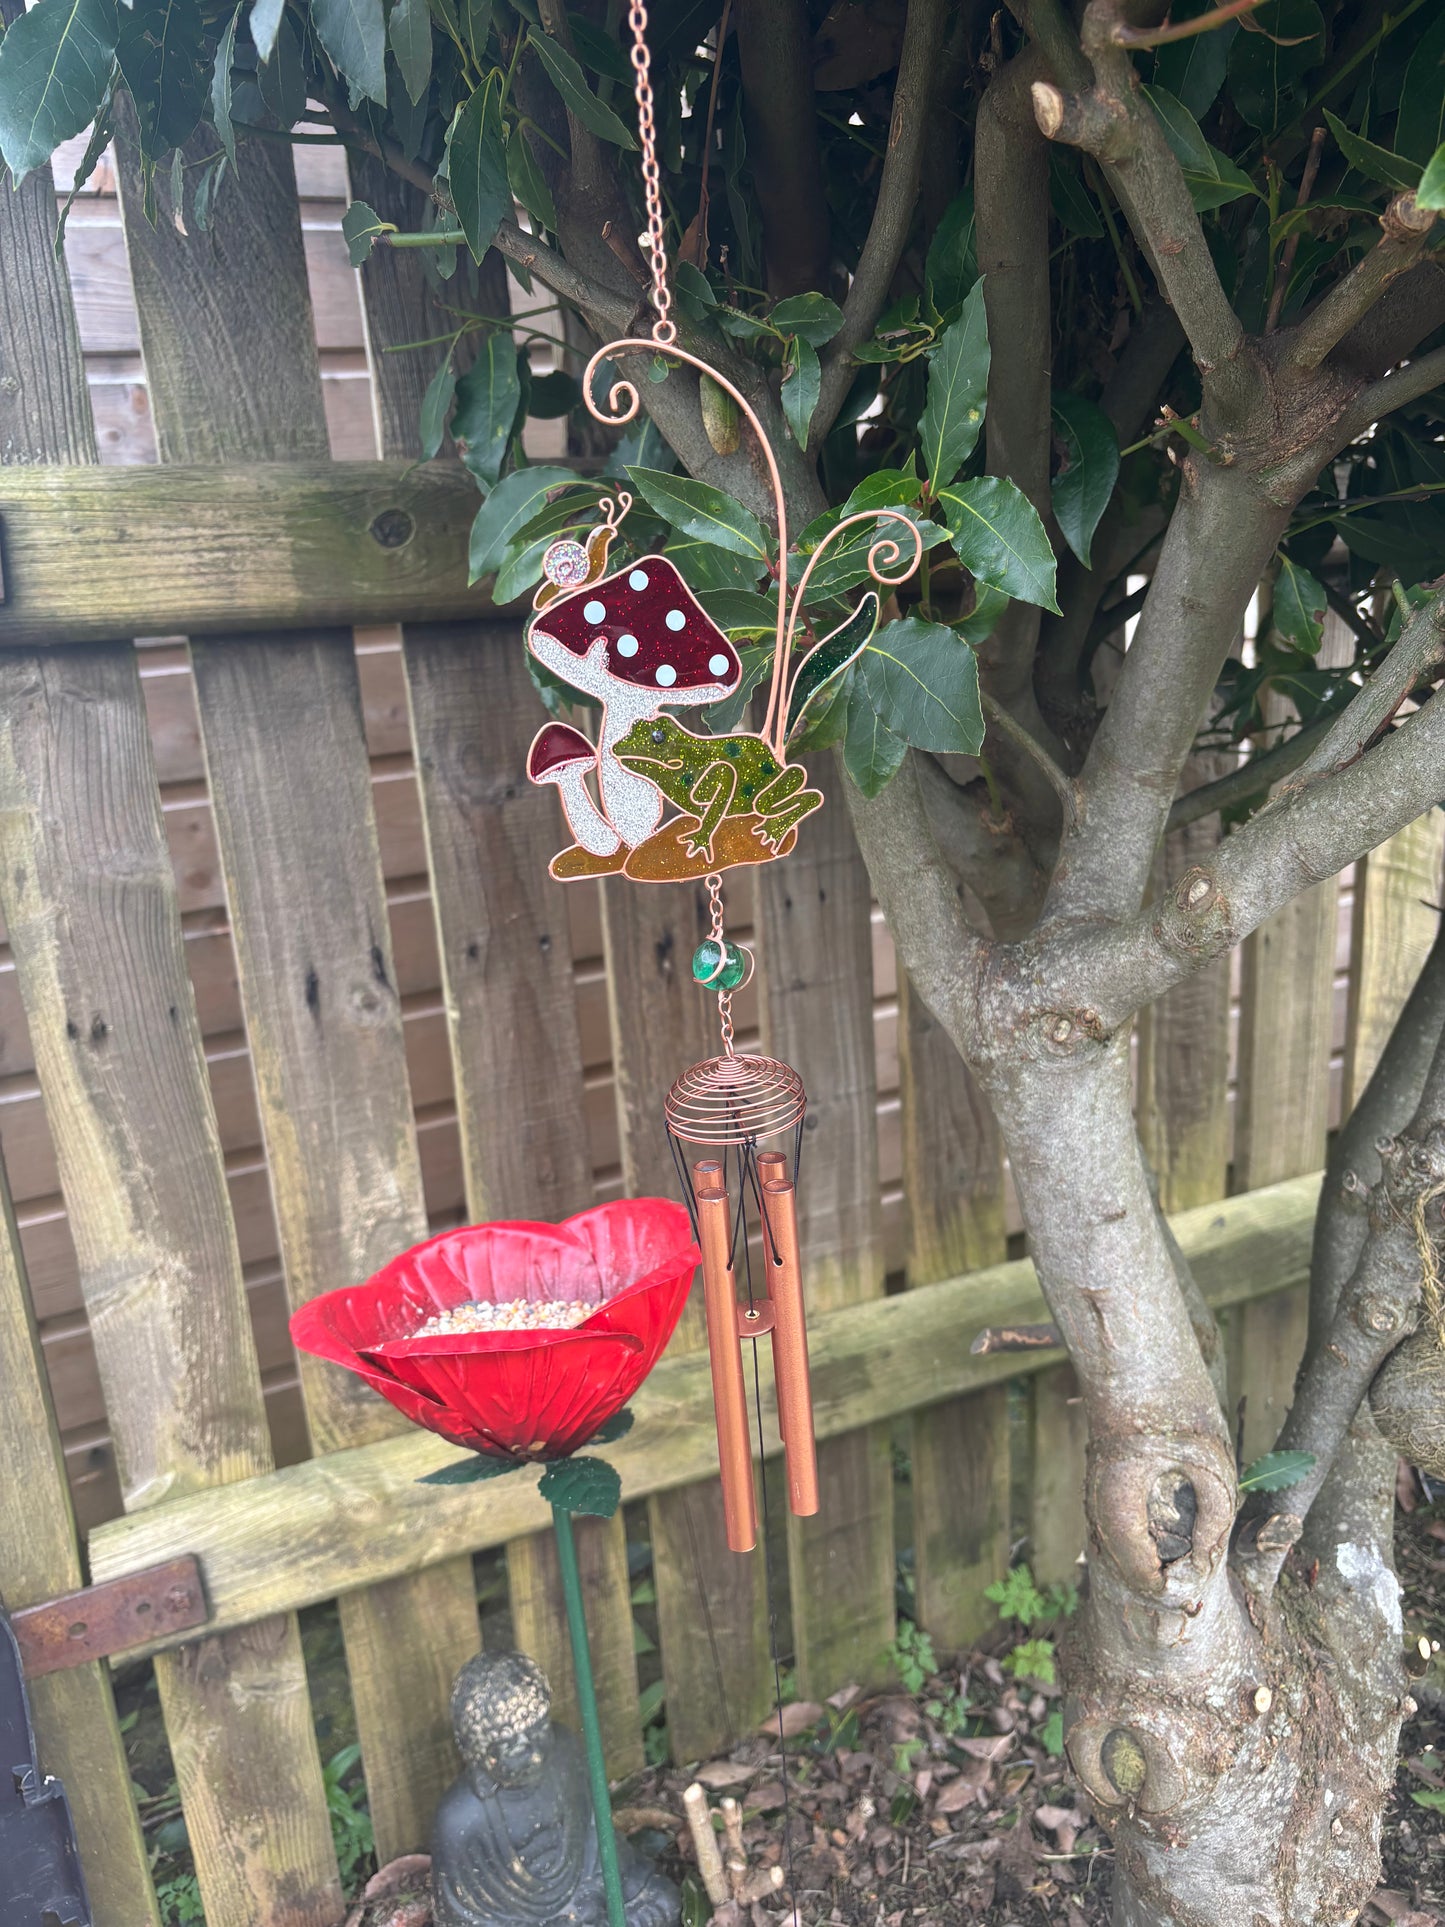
[563, 756]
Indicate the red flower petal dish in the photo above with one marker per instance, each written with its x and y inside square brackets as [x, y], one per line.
[536, 1394]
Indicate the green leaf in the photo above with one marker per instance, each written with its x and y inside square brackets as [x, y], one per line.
[612, 1429]
[1430, 1797]
[702, 565]
[476, 24]
[1000, 540]
[1071, 201]
[957, 393]
[553, 395]
[922, 680]
[741, 612]
[1275, 1471]
[353, 32]
[409, 31]
[1420, 128]
[1268, 64]
[650, 1701]
[599, 50]
[1090, 467]
[845, 565]
[1375, 163]
[488, 396]
[263, 20]
[436, 405]
[520, 569]
[477, 167]
[800, 388]
[872, 753]
[361, 226]
[643, 444]
[509, 507]
[812, 317]
[221, 88]
[55, 64]
[1431, 191]
[470, 1470]
[206, 187]
[101, 135]
[282, 78]
[810, 688]
[528, 182]
[952, 267]
[981, 621]
[1193, 69]
[722, 718]
[1298, 611]
[702, 512]
[161, 52]
[582, 1485]
[1212, 177]
[577, 96]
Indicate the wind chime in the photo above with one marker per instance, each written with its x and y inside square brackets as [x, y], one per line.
[657, 801]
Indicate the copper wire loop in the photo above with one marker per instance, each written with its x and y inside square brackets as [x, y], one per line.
[729, 1100]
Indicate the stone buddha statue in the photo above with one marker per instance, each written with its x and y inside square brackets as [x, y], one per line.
[514, 1844]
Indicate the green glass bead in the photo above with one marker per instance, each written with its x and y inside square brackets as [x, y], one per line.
[721, 966]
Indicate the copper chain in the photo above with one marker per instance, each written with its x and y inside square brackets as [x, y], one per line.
[664, 329]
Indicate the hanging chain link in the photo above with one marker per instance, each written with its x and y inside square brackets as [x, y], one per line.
[715, 931]
[664, 329]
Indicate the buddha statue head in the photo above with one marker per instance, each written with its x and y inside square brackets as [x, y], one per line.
[501, 1715]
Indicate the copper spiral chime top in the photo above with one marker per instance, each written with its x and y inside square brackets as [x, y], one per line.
[735, 1100]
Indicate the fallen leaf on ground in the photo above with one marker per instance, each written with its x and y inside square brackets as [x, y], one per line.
[791, 1720]
[719, 1773]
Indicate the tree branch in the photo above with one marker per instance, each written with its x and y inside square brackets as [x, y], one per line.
[894, 209]
[1402, 385]
[1406, 229]
[1030, 748]
[774, 44]
[989, 857]
[1251, 779]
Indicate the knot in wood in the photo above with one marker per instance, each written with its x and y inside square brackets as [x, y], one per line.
[1193, 919]
[392, 529]
[1376, 1314]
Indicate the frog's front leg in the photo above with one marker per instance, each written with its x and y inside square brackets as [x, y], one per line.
[782, 805]
[711, 796]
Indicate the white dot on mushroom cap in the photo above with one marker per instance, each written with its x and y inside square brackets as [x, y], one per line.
[667, 675]
[675, 619]
[594, 611]
[718, 665]
[637, 580]
[627, 645]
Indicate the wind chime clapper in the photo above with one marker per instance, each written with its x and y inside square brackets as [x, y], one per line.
[727, 1105]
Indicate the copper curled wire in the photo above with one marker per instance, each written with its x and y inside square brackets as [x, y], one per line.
[732, 1100]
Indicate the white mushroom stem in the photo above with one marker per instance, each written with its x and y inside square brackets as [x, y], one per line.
[630, 803]
[587, 823]
[704, 1845]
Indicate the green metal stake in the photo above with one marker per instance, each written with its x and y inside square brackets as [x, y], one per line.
[591, 1726]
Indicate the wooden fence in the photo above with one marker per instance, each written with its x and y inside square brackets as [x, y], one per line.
[287, 985]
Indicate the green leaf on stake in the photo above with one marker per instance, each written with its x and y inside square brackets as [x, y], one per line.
[1085, 481]
[801, 386]
[872, 754]
[922, 680]
[409, 31]
[477, 167]
[999, 538]
[471, 1470]
[957, 393]
[701, 511]
[582, 1485]
[1275, 1471]
[615, 1428]
[577, 97]
[55, 65]
[361, 228]
[353, 32]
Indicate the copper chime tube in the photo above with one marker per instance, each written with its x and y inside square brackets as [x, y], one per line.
[729, 1399]
[790, 1340]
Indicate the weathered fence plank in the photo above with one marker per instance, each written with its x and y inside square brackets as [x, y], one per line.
[78, 1738]
[815, 958]
[311, 1530]
[286, 756]
[506, 959]
[90, 903]
[1396, 916]
[954, 1211]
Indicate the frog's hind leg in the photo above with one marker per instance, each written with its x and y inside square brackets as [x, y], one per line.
[782, 804]
[711, 796]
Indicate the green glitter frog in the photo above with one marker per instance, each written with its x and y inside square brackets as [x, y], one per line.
[718, 776]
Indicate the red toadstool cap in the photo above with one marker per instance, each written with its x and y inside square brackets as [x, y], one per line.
[555, 747]
[658, 634]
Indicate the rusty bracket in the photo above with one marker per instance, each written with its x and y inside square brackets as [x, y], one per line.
[102, 1620]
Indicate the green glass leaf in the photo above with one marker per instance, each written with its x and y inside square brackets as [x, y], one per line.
[1212, 177]
[922, 680]
[1375, 163]
[55, 65]
[701, 511]
[263, 20]
[811, 317]
[872, 753]
[529, 184]
[827, 725]
[353, 32]
[800, 388]
[477, 167]
[436, 405]
[1431, 191]
[1087, 472]
[361, 228]
[409, 31]
[1275, 1471]
[957, 393]
[811, 687]
[1000, 540]
[578, 98]
[952, 266]
[613, 1429]
[508, 508]
[582, 1485]
[471, 1470]
[221, 87]
[1298, 610]
[1420, 128]
[1267, 65]
[282, 78]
